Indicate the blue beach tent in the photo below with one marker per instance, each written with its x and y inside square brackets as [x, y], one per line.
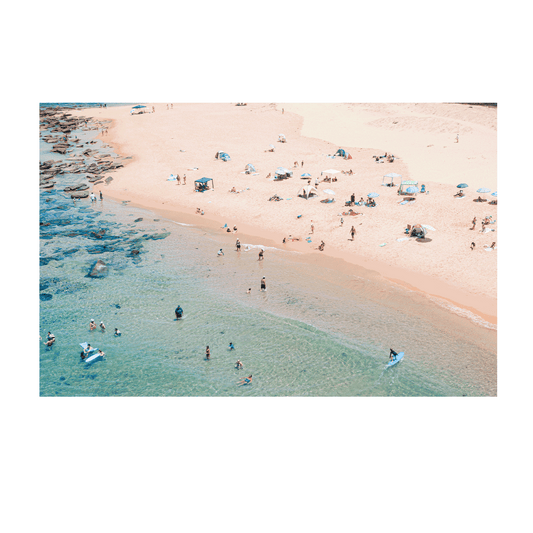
[200, 185]
[138, 109]
[223, 155]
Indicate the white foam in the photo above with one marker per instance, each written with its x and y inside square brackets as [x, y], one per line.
[464, 313]
[181, 223]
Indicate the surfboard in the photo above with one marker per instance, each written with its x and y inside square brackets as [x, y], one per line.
[397, 359]
[93, 354]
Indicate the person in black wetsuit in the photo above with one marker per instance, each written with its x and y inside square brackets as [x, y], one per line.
[392, 355]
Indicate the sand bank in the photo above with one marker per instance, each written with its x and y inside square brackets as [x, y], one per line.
[189, 135]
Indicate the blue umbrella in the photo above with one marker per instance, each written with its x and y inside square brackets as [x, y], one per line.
[462, 186]
[138, 106]
[412, 190]
[483, 189]
[495, 193]
[306, 175]
[373, 195]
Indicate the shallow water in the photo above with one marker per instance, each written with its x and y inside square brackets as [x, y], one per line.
[315, 332]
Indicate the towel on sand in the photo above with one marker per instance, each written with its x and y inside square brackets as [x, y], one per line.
[403, 239]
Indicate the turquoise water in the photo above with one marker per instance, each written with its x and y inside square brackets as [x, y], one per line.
[315, 332]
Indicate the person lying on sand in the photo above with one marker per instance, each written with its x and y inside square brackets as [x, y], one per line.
[460, 193]
[474, 220]
[321, 246]
[197, 210]
[233, 189]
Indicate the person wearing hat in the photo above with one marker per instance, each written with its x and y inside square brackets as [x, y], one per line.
[92, 325]
[102, 326]
[117, 333]
[239, 365]
[263, 284]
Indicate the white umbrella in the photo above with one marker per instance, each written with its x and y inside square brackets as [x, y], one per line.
[329, 191]
[331, 171]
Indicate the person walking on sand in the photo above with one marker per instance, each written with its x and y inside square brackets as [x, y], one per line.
[184, 179]
[261, 256]
[473, 245]
[153, 109]
[353, 232]
[238, 245]
[457, 138]
[312, 228]
[263, 284]
[178, 180]
[342, 221]
[474, 223]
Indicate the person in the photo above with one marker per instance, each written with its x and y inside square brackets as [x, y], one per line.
[260, 255]
[153, 109]
[473, 245]
[392, 355]
[202, 212]
[474, 223]
[493, 245]
[342, 221]
[197, 210]
[184, 179]
[245, 381]
[234, 229]
[238, 245]
[220, 252]
[233, 189]
[207, 353]
[101, 353]
[239, 365]
[352, 199]
[312, 228]
[178, 180]
[50, 339]
[101, 196]
[231, 347]
[178, 311]
[353, 232]
[321, 246]
[92, 325]
[85, 352]
[457, 138]
[284, 240]
[171, 106]
[102, 326]
[249, 290]
[263, 284]
[117, 333]
[302, 163]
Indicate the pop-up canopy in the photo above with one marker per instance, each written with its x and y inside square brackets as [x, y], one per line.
[200, 184]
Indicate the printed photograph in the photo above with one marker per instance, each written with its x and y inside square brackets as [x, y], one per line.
[268, 249]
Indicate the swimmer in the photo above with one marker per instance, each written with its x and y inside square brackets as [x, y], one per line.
[238, 365]
[117, 333]
[85, 352]
[245, 381]
[392, 355]
[231, 347]
[92, 325]
[102, 326]
[220, 252]
[50, 339]
[101, 353]
[207, 353]
[249, 290]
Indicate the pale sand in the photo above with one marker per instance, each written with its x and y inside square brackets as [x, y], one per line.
[444, 267]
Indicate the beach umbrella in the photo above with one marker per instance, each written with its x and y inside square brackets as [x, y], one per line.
[330, 171]
[138, 106]
[483, 189]
[412, 190]
[462, 186]
[329, 191]
[495, 193]
[271, 145]
[306, 175]
[373, 195]
[392, 175]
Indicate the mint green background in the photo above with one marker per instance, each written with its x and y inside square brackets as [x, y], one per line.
[262, 474]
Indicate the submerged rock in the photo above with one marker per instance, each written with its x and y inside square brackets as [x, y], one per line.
[45, 296]
[98, 270]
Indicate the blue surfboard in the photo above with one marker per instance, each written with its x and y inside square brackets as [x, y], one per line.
[397, 359]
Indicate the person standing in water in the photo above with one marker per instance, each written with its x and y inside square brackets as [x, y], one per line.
[207, 353]
[231, 347]
[238, 245]
[261, 257]
[92, 325]
[263, 284]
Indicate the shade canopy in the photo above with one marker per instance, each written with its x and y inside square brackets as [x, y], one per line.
[203, 180]
[392, 175]
[329, 191]
[307, 191]
[483, 190]
[306, 175]
[462, 186]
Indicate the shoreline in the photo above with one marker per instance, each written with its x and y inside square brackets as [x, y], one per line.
[481, 305]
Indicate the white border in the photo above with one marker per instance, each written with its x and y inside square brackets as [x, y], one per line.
[30, 403]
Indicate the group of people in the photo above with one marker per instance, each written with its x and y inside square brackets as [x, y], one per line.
[388, 157]
[178, 179]
[88, 350]
[199, 211]
[92, 327]
[238, 364]
[296, 164]
[93, 196]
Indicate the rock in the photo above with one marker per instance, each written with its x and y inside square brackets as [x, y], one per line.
[79, 194]
[45, 296]
[98, 270]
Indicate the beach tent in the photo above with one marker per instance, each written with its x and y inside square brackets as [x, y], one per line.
[307, 191]
[249, 168]
[390, 177]
[282, 173]
[404, 185]
[223, 155]
[282, 138]
[137, 109]
[343, 153]
[200, 185]
[418, 231]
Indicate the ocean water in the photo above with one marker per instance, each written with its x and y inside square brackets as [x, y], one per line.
[315, 331]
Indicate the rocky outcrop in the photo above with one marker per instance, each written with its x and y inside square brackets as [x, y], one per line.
[98, 270]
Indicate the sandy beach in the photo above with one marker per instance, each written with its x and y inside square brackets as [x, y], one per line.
[438, 145]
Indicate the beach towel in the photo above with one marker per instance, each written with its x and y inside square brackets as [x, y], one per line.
[460, 197]
[486, 230]
[489, 249]
[383, 244]
[403, 239]
[172, 178]
[195, 168]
